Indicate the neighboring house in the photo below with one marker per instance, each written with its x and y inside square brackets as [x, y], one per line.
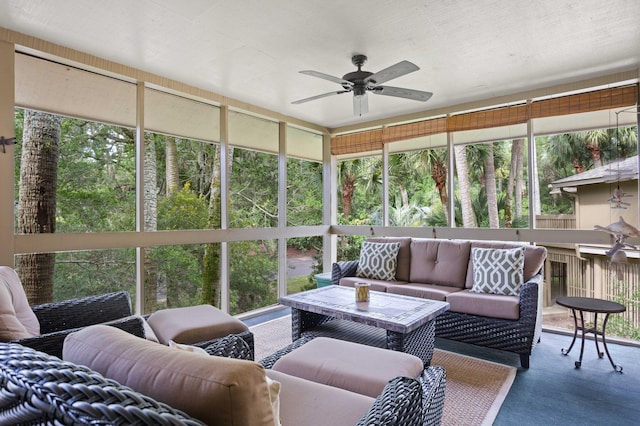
[585, 270]
[592, 189]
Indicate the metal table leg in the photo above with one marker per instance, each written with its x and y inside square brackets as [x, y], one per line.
[615, 366]
[575, 334]
[579, 362]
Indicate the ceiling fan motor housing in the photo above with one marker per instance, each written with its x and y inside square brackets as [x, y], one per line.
[357, 77]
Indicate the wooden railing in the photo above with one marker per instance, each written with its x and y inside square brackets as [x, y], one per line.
[556, 221]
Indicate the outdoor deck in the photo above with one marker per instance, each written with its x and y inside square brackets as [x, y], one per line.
[552, 390]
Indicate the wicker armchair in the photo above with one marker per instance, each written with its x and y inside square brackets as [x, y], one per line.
[59, 319]
[36, 388]
[404, 401]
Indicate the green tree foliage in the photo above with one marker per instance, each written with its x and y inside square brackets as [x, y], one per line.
[184, 209]
[253, 277]
[254, 189]
[96, 193]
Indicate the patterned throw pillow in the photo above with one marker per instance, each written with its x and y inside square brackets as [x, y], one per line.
[498, 271]
[378, 261]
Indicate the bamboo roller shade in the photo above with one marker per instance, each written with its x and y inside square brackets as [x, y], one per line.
[373, 140]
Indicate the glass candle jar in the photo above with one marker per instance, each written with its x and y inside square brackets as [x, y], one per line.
[362, 292]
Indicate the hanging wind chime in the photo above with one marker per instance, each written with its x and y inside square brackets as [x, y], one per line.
[620, 231]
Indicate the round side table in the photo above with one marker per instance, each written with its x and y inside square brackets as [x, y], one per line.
[596, 306]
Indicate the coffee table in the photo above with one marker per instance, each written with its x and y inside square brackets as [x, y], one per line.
[401, 323]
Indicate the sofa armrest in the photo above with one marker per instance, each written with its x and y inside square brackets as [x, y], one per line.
[231, 346]
[82, 312]
[51, 343]
[268, 361]
[400, 403]
[343, 269]
[531, 306]
[433, 386]
[529, 297]
[407, 401]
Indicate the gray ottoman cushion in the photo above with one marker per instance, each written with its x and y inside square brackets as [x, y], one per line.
[193, 324]
[347, 365]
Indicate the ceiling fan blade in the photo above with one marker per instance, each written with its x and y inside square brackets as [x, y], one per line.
[394, 71]
[326, 77]
[360, 104]
[324, 95]
[399, 92]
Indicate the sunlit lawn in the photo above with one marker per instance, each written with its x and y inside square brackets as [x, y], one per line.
[298, 284]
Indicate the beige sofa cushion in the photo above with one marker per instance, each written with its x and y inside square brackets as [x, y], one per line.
[441, 262]
[193, 324]
[216, 390]
[352, 366]
[303, 402]
[534, 257]
[375, 285]
[484, 304]
[404, 255]
[425, 291]
[17, 320]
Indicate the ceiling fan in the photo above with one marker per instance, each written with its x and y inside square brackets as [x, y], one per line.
[359, 82]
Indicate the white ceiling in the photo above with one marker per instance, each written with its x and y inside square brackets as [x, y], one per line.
[252, 50]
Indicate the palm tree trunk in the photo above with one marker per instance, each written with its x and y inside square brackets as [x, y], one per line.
[490, 187]
[468, 216]
[508, 213]
[439, 176]
[37, 200]
[150, 222]
[519, 178]
[172, 176]
[348, 188]
[172, 170]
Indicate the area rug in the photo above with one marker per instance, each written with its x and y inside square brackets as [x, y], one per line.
[475, 388]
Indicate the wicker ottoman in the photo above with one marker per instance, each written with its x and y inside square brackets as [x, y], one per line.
[352, 366]
[197, 325]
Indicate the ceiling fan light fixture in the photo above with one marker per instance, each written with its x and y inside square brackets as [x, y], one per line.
[360, 104]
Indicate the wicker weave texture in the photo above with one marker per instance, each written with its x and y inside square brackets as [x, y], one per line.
[268, 361]
[51, 343]
[36, 388]
[396, 404]
[82, 312]
[507, 335]
[433, 387]
[419, 342]
[238, 346]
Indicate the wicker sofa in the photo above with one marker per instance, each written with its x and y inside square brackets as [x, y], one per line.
[112, 377]
[443, 270]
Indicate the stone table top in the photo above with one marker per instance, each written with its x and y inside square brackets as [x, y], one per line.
[393, 312]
